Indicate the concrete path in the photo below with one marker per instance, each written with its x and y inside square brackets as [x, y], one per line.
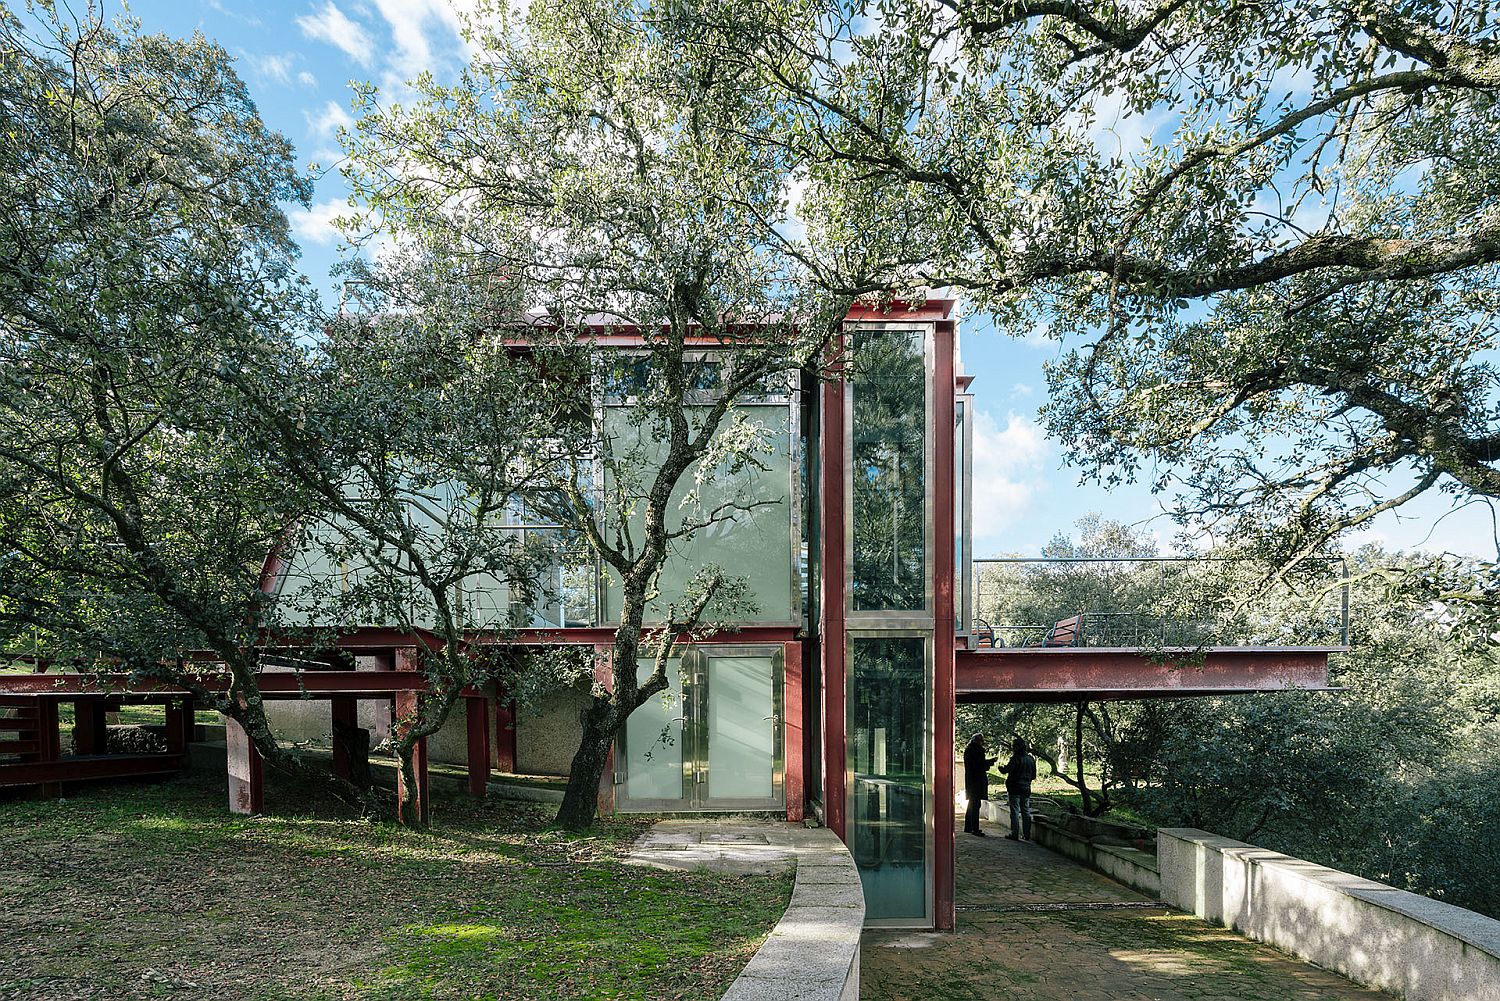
[1034, 925]
[745, 848]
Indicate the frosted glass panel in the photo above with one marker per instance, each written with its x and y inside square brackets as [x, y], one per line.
[654, 738]
[741, 737]
[755, 544]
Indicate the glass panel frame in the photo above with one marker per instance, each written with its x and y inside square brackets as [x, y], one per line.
[853, 637]
[915, 618]
[694, 738]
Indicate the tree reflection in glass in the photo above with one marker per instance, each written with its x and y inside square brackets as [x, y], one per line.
[888, 425]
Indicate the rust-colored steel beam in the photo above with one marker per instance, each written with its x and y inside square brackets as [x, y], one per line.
[86, 769]
[477, 721]
[273, 684]
[1069, 675]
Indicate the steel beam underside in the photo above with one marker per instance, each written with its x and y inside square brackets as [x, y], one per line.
[1042, 675]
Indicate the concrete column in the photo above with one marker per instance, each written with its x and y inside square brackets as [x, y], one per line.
[247, 783]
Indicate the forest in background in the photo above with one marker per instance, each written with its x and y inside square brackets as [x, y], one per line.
[1393, 775]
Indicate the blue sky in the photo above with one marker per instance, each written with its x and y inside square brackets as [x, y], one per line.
[298, 59]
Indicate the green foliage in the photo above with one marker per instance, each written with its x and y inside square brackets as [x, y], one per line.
[145, 282]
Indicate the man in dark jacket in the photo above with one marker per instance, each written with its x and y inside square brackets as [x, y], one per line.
[1019, 771]
[976, 781]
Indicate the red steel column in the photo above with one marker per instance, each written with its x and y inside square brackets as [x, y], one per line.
[831, 599]
[478, 707]
[944, 630]
[90, 735]
[505, 734]
[179, 719]
[49, 741]
[794, 782]
[406, 708]
[603, 675]
[247, 780]
[343, 711]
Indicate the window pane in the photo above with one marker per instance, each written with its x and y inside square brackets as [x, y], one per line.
[741, 727]
[889, 564]
[653, 739]
[888, 758]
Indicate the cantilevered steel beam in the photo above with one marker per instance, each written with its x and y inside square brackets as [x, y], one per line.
[1039, 674]
[273, 684]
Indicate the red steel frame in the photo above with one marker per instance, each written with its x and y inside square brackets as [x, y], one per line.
[831, 597]
[944, 611]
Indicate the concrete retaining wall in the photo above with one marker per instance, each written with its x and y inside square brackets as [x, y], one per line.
[1376, 935]
[813, 952]
[1090, 843]
[547, 739]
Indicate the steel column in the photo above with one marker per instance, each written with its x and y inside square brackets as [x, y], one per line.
[505, 734]
[831, 598]
[944, 612]
[794, 781]
[90, 734]
[603, 675]
[343, 717]
[407, 660]
[478, 724]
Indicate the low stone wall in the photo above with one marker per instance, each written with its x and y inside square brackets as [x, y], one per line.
[1412, 946]
[813, 952]
[1101, 846]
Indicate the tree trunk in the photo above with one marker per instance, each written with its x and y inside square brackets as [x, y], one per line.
[581, 800]
[1083, 789]
[407, 807]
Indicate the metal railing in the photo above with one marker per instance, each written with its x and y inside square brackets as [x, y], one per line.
[1157, 602]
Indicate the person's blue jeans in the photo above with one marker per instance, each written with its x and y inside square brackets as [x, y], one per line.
[1020, 814]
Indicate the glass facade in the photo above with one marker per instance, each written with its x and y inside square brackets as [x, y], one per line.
[657, 767]
[889, 771]
[888, 433]
[754, 541]
[712, 740]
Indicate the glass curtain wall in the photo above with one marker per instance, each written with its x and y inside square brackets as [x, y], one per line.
[713, 739]
[888, 435]
[888, 761]
[889, 654]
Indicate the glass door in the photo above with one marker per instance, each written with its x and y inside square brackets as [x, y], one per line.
[712, 740]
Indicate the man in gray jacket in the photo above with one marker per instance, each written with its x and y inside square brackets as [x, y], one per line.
[1019, 771]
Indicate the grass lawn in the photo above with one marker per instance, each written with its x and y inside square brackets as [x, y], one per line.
[154, 891]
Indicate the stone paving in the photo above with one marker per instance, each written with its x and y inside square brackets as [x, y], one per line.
[1125, 950]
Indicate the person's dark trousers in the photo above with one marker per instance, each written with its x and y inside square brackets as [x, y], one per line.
[971, 816]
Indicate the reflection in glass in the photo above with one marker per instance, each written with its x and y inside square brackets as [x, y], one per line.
[654, 736]
[888, 759]
[889, 389]
[741, 727]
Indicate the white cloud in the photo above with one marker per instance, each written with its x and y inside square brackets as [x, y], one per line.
[277, 68]
[306, 79]
[315, 225]
[333, 26]
[327, 122]
[1008, 473]
[1021, 389]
